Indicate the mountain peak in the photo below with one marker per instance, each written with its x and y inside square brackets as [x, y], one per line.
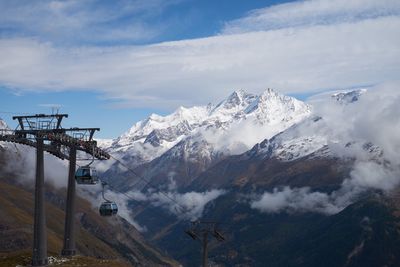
[273, 106]
[236, 98]
[3, 124]
[235, 102]
[154, 116]
[271, 93]
[347, 97]
[240, 93]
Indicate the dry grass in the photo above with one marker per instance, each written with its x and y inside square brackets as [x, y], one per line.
[23, 258]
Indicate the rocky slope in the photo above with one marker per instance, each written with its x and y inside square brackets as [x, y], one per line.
[111, 239]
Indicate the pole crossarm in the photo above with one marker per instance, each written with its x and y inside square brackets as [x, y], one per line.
[40, 121]
[89, 147]
[56, 138]
[200, 227]
[85, 134]
[13, 138]
[200, 230]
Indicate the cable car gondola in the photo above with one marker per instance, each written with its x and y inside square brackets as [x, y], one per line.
[107, 208]
[86, 175]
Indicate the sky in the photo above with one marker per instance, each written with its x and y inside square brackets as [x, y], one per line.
[109, 64]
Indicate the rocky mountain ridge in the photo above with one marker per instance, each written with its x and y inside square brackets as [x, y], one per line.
[202, 135]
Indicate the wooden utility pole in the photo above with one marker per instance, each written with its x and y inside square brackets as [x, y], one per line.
[199, 231]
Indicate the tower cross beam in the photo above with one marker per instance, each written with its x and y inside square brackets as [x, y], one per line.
[40, 121]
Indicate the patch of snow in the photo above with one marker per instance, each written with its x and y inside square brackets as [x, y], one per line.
[104, 143]
[346, 97]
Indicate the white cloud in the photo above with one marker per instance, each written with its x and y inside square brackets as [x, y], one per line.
[372, 121]
[295, 200]
[88, 22]
[189, 205]
[369, 174]
[293, 60]
[22, 164]
[312, 12]
[373, 118]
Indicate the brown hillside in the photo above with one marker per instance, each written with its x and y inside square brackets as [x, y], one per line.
[97, 238]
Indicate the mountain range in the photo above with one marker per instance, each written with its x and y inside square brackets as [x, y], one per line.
[155, 135]
[289, 183]
[249, 159]
[202, 135]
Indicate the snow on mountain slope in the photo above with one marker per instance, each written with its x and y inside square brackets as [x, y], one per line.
[349, 96]
[273, 107]
[308, 137]
[263, 117]
[180, 121]
[3, 126]
[232, 107]
[317, 135]
[151, 137]
[233, 126]
[104, 143]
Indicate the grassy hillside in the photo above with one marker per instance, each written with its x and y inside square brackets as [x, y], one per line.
[23, 258]
[111, 239]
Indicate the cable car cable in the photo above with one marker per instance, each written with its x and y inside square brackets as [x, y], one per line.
[11, 112]
[147, 206]
[141, 178]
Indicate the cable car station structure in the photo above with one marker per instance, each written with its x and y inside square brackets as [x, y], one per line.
[44, 132]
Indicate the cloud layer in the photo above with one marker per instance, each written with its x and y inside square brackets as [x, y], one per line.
[83, 22]
[310, 13]
[296, 200]
[312, 56]
[189, 205]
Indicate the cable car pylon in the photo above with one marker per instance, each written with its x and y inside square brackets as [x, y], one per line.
[84, 175]
[69, 225]
[44, 132]
[39, 257]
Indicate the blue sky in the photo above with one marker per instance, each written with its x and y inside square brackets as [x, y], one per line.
[126, 22]
[177, 21]
[111, 63]
[85, 109]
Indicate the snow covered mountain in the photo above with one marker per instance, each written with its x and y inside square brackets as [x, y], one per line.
[301, 140]
[3, 124]
[317, 136]
[231, 127]
[268, 153]
[349, 96]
